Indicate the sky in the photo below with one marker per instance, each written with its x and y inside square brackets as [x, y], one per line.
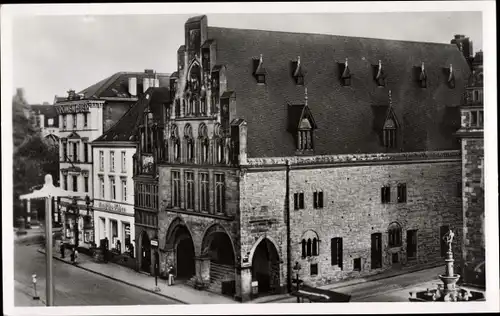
[53, 54]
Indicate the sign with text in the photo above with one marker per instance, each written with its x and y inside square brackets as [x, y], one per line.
[111, 207]
[73, 108]
[154, 242]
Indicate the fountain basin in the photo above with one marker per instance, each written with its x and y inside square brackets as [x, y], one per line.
[437, 295]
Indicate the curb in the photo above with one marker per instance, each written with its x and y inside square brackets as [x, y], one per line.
[118, 280]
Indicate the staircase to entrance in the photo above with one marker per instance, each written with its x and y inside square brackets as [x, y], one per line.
[221, 279]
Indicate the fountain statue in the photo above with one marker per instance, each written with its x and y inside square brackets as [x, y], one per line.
[448, 291]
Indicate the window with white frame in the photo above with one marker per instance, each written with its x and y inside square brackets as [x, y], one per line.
[101, 160]
[74, 121]
[112, 187]
[124, 162]
[112, 161]
[101, 186]
[124, 189]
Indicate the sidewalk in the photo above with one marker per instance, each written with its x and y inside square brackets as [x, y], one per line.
[179, 292]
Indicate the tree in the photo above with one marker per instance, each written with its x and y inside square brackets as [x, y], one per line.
[33, 156]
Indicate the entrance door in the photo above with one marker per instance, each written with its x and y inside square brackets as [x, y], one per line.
[376, 251]
[145, 253]
[411, 242]
[265, 267]
[185, 259]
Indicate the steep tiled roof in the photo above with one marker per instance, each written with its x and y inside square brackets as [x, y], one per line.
[126, 127]
[48, 110]
[117, 85]
[344, 115]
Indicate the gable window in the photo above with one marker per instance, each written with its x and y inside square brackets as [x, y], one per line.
[380, 75]
[423, 76]
[259, 70]
[318, 199]
[176, 189]
[395, 239]
[402, 193]
[189, 190]
[337, 252]
[219, 193]
[305, 139]
[386, 194]
[298, 73]
[204, 192]
[389, 134]
[298, 201]
[345, 77]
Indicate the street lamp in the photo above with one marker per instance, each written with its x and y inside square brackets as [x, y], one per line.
[297, 268]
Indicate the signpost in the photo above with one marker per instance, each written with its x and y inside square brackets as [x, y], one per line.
[47, 192]
[36, 297]
[154, 243]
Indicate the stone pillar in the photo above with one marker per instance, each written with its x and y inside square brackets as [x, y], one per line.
[243, 284]
[202, 264]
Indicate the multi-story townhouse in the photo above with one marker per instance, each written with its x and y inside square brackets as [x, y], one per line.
[83, 117]
[336, 153]
[46, 118]
[471, 133]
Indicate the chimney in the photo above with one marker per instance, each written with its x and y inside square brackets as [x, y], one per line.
[145, 84]
[464, 44]
[149, 71]
[156, 82]
[132, 86]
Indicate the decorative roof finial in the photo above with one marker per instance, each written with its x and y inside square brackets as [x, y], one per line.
[346, 61]
[423, 67]
[390, 98]
[451, 68]
[305, 96]
[261, 58]
[379, 64]
[298, 60]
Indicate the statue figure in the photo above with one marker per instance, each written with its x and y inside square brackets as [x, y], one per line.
[448, 238]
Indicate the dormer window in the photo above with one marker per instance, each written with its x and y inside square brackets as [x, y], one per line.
[305, 135]
[302, 125]
[423, 77]
[451, 77]
[345, 74]
[380, 75]
[259, 70]
[389, 133]
[298, 73]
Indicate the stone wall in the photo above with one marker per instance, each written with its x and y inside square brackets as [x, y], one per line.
[352, 210]
[473, 200]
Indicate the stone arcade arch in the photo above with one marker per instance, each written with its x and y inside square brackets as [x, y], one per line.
[266, 267]
[180, 240]
[218, 246]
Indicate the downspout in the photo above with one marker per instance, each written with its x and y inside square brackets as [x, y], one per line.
[288, 242]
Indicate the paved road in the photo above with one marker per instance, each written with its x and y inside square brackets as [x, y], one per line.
[73, 286]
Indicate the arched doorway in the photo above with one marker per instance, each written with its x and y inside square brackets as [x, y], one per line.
[145, 252]
[184, 250]
[266, 267]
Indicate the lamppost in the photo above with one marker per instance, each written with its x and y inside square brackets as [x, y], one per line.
[90, 203]
[297, 268]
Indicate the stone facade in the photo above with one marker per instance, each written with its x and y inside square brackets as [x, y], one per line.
[352, 210]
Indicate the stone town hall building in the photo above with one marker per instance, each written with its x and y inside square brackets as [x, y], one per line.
[338, 153]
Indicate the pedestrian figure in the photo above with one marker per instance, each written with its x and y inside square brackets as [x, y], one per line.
[131, 250]
[61, 248]
[76, 254]
[171, 274]
[72, 256]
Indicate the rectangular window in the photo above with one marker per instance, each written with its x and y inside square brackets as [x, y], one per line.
[176, 189]
[101, 186]
[124, 190]
[112, 161]
[101, 160]
[336, 251]
[442, 231]
[85, 120]
[124, 162]
[64, 151]
[74, 120]
[65, 121]
[314, 269]
[473, 119]
[189, 180]
[75, 152]
[386, 194]
[480, 118]
[65, 183]
[86, 180]
[389, 135]
[298, 201]
[318, 199]
[411, 244]
[304, 139]
[112, 186]
[204, 192]
[402, 193]
[357, 264]
[219, 193]
[86, 152]
[75, 183]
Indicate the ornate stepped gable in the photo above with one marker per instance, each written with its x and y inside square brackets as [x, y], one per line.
[342, 99]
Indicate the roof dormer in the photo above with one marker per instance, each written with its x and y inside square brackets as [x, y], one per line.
[451, 77]
[259, 72]
[298, 72]
[379, 76]
[301, 125]
[422, 77]
[345, 73]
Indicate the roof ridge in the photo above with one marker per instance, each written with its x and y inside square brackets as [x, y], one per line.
[332, 35]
